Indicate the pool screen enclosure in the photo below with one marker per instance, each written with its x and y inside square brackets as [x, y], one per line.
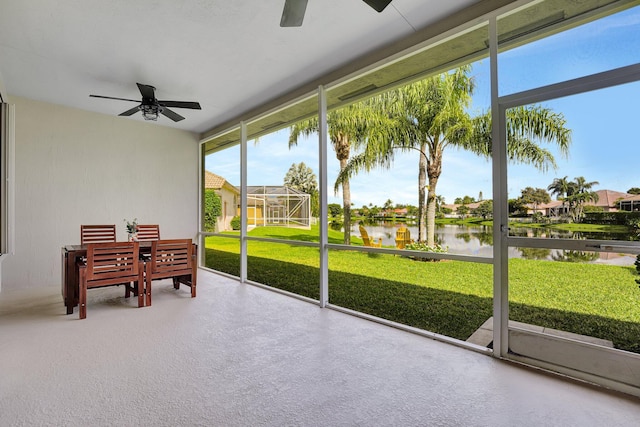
[278, 206]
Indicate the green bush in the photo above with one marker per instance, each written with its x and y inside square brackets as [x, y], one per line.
[420, 246]
[610, 218]
[235, 223]
[212, 209]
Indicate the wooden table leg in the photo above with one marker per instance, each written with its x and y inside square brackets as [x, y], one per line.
[70, 282]
[66, 295]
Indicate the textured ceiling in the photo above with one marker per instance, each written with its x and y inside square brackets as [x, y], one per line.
[230, 56]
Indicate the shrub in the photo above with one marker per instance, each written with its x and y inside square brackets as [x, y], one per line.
[610, 218]
[212, 209]
[537, 217]
[235, 223]
[634, 224]
[421, 246]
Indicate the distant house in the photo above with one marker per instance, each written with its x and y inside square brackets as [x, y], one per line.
[607, 201]
[631, 203]
[454, 207]
[397, 212]
[553, 208]
[229, 196]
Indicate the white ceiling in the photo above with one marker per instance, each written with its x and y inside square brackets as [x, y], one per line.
[229, 55]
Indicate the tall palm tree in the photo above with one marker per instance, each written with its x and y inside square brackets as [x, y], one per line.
[430, 115]
[440, 202]
[582, 186]
[348, 129]
[426, 117]
[561, 187]
[580, 194]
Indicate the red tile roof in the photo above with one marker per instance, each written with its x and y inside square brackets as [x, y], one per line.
[211, 180]
[609, 198]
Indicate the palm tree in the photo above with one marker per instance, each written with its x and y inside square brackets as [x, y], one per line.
[426, 117]
[430, 115]
[348, 129]
[560, 187]
[440, 202]
[388, 205]
[580, 194]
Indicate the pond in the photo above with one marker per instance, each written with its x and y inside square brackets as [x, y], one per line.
[477, 240]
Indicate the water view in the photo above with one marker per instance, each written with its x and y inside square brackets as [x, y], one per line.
[477, 240]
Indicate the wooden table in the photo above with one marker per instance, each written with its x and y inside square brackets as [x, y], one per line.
[70, 275]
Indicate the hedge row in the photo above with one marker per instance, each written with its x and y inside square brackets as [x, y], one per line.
[613, 218]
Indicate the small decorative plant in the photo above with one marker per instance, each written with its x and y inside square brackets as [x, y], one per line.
[132, 226]
[419, 246]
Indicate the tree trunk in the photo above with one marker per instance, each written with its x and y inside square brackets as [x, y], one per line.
[431, 212]
[343, 148]
[434, 168]
[422, 205]
[346, 205]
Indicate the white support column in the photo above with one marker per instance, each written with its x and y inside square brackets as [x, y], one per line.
[7, 182]
[201, 238]
[500, 206]
[243, 202]
[323, 214]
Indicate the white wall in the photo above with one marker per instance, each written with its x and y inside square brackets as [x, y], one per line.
[75, 167]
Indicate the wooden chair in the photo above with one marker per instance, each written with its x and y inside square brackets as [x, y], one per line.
[108, 264]
[367, 240]
[171, 259]
[403, 237]
[148, 232]
[97, 233]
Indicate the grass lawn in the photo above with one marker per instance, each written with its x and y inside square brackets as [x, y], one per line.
[450, 297]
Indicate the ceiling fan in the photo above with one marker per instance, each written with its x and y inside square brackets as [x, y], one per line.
[293, 12]
[151, 107]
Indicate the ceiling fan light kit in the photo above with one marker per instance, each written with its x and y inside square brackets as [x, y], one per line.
[150, 112]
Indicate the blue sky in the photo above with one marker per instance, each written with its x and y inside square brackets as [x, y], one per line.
[605, 125]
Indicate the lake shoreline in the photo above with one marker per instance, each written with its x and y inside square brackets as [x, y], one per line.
[471, 238]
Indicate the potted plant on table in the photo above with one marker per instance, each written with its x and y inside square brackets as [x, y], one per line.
[132, 229]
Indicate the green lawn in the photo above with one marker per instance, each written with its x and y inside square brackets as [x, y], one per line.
[449, 297]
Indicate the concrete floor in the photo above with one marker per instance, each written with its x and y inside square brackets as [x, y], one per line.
[238, 355]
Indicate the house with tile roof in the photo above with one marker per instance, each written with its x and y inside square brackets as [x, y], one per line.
[631, 203]
[607, 201]
[229, 197]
